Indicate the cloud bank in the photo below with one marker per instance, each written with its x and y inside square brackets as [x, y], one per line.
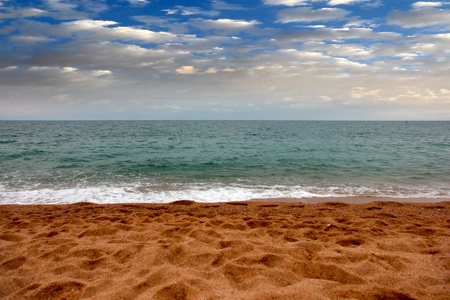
[274, 59]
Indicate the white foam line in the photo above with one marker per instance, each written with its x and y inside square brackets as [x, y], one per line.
[106, 195]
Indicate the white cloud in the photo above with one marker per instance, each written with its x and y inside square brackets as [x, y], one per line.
[101, 73]
[61, 5]
[187, 11]
[186, 70]
[229, 70]
[29, 40]
[31, 12]
[319, 59]
[99, 29]
[87, 24]
[306, 14]
[288, 99]
[222, 5]
[333, 34]
[345, 63]
[304, 2]
[415, 96]
[138, 2]
[171, 24]
[130, 34]
[102, 102]
[211, 70]
[402, 50]
[170, 11]
[22, 13]
[343, 2]
[444, 36]
[305, 54]
[419, 18]
[103, 56]
[39, 69]
[68, 10]
[69, 69]
[422, 4]
[225, 24]
[362, 93]
[349, 50]
[54, 76]
[325, 98]
[285, 2]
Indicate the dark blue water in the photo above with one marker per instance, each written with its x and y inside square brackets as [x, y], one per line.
[210, 161]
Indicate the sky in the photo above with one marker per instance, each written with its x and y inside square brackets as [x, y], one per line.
[224, 59]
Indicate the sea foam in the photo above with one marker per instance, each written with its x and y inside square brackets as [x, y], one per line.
[104, 195]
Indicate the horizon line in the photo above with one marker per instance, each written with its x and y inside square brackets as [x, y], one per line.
[203, 120]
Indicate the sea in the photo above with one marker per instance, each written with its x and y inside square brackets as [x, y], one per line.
[59, 162]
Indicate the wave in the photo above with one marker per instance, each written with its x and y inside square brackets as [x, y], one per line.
[198, 193]
[8, 142]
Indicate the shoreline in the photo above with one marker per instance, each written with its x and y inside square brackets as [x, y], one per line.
[226, 250]
[354, 199]
[305, 200]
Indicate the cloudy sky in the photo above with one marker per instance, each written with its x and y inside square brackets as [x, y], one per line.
[225, 59]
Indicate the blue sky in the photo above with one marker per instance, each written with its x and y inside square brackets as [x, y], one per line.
[223, 59]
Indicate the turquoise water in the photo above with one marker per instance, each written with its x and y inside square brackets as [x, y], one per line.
[210, 161]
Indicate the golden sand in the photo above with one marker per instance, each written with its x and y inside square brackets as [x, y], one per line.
[244, 250]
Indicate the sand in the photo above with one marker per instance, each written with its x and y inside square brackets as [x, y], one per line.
[244, 250]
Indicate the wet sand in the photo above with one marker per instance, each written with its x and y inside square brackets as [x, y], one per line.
[241, 250]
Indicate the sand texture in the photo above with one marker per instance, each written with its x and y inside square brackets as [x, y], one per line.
[245, 250]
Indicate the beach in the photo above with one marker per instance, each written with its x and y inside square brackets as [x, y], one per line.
[229, 250]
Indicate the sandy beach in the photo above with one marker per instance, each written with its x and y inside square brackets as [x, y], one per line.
[238, 250]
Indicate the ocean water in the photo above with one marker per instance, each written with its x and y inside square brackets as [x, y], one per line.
[214, 161]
